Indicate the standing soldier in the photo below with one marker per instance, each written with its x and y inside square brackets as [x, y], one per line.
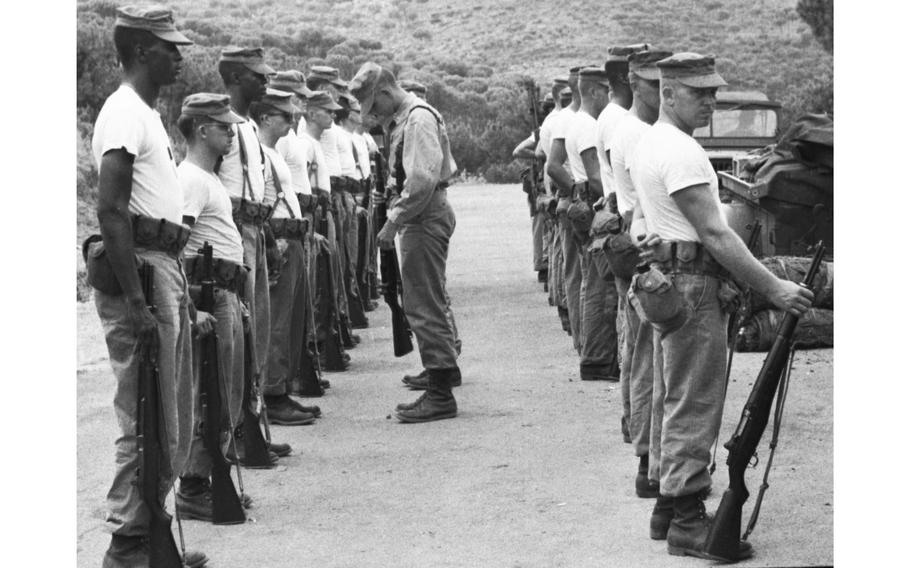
[422, 164]
[598, 293]
[242, 171]
[690, 240]
[637, 347]
[561, 177]
[274, 115]
[140, 212]
[205, 123]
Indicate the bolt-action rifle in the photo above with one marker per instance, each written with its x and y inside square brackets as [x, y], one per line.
[326, 281]
[724, 536]
[149, 435]
[255, 447]
[389, 273]
[536, 175]
[226, 506]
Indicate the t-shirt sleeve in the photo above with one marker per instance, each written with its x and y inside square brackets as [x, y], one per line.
[122, 129]
[558, 128]
[195, 193]
[586, 135]
[685, 166]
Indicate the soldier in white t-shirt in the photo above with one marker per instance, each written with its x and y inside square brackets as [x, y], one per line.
[562, 179]
[242, 171]
[636, 347]
[139, 210]
[598, 301]
[689, 240]
[205, 123]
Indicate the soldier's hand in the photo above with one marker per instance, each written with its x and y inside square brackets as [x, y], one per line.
[142, 322]
[647, 244]
[245, 316]
[386, 236]
[791, 297]
[204, 324]
[377, 197]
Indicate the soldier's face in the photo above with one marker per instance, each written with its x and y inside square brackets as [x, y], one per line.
[218, 136]
[321, 117]
[164, 62]
[693, 105]
[648, 92]
[252, 84]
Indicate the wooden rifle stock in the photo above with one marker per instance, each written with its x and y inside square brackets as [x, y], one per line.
[724, 536]
[162, 547]
[226, 506]
[255, 448]
[390, 276]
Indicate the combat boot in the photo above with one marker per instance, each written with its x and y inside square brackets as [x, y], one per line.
[689, 530]
[419, 382]
[436, 403]
[661, 517]
[644, 487]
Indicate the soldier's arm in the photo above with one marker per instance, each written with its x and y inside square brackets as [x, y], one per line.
[555, 168]
[700, 208]
[592, 169]
[115, 187]
[525, 149]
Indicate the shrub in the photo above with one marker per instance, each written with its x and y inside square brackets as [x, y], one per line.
[504, 173]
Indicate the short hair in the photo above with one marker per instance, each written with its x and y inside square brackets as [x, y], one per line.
[127, 39]
[228, 68]
[186, 125]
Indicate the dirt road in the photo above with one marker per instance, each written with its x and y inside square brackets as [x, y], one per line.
[532, 473]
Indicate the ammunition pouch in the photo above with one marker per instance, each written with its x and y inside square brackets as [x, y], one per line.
[687, 257]
[247, 212]
[295, 229]
[226, 275]
[621, 253]
[656, 300]
[307, 203]
[148, 233]
[581, 215]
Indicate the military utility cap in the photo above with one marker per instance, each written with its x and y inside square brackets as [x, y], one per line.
[327, 73]
[412, 86]
[347, 101]
[156, 19]
[593, 75]
[691, 69]
[644, 63]
[279, 100]
[621, 53]
[291, 81]
[251, 58]
[369, 77]
[210, 105]
[323, 100]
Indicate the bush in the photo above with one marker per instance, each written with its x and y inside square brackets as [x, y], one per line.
[504, 173]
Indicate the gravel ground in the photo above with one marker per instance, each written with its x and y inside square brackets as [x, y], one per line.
[532, 473]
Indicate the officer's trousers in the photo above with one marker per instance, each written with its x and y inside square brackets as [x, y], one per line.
[287, 321]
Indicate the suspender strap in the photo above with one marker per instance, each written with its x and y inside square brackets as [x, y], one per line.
[280, 194]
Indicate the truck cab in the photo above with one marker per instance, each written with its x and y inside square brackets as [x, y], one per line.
[742, 121]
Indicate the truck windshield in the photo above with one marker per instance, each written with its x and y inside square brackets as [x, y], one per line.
[740, 123]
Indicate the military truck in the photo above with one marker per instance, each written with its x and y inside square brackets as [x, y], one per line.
[742, 121]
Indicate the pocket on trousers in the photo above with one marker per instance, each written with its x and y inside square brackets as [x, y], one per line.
[99, 272]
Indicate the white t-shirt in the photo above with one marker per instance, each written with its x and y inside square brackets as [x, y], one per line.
[363, 156]
[206, 200]
[231, 171]
[125, 121]
[330, 148]
[316, 163]
[274, 160]
[546, 131]
[580, 136]
[606, 126]
[667, 160]
[622, 145]
[346, 154]
[293, 150]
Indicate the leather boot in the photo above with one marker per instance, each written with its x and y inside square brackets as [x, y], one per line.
[644, 487]
[437, 402]
[419, 382]
[689, 530]
[661, 517]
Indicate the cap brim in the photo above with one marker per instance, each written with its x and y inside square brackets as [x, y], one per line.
[649, 73]
[229, 117]
[174, 37]
[301, 90]
[339, 83]
[703, 81]
[327, 106]
[260, 68]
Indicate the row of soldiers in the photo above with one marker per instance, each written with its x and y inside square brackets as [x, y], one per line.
[267, 224]
[637, 257]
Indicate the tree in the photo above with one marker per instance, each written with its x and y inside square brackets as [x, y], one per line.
[819, 15]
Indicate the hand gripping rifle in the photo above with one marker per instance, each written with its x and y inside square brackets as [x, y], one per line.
[226, 506]
[149, 434]
[724, 536]
[389, 273]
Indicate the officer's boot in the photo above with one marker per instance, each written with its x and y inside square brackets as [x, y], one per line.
[437, 402]
[689, 529]
[661, 517]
